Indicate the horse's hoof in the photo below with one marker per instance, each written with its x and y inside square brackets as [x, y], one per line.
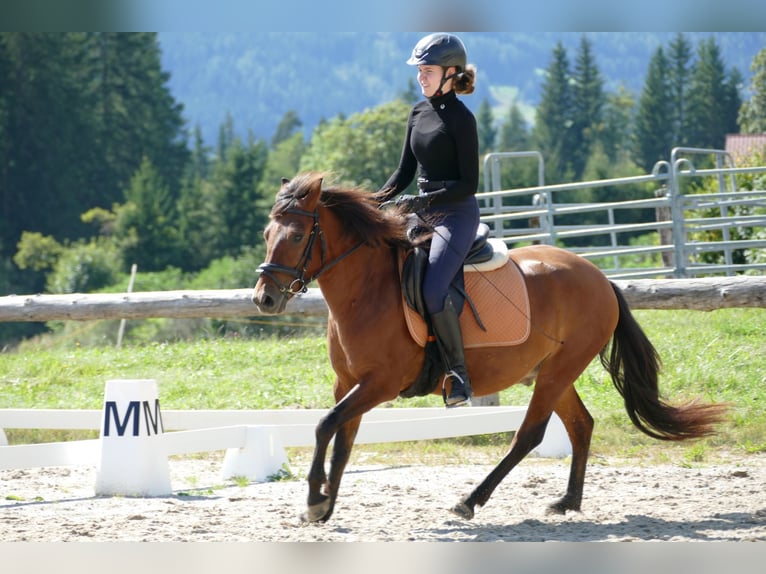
[462, 510]
[316, 512]
[556, 509]
[562, 506]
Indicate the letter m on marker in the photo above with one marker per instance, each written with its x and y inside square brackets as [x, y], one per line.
[111, 411]
[153, 423]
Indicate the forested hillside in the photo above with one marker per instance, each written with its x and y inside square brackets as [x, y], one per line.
[257, 77]
[165, 151]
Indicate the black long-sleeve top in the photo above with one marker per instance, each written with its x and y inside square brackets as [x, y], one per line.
[441, 144]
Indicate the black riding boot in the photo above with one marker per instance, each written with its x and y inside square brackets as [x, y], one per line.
[450, 340]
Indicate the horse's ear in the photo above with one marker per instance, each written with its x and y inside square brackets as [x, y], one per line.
[313, 193]
[285, 181]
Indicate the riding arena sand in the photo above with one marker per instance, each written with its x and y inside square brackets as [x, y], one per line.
[623, 501]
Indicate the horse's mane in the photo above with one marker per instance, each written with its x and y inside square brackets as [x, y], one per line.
[356, 208]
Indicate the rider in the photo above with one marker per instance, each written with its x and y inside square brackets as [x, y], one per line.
[441, 145]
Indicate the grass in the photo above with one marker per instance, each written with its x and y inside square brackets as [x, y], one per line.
[715, 356]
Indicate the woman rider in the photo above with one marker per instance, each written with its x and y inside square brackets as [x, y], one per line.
[441, 147]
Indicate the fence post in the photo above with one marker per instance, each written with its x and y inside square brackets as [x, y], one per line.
[677, 215]
[664, 213]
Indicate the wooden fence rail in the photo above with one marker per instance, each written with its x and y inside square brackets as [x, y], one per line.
[703, 294]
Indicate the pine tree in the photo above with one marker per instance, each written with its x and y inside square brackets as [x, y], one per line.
[733, 99]
[135, 114]
[514, 132]
[616, 138]
[709, 99]
[410, 94]
[654, 129]
[146, 226]
[286, 128]
[6, 230]
[514, 136]
[199, 164]
[45, 131]
[197, 224]
[553, 124]
[752, 113]
[485, 127]
[240, 224]
[679, 71]
[587, 104]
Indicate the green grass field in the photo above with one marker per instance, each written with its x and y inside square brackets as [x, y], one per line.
[715, 356]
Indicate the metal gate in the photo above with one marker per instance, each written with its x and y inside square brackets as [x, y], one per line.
[680, 234]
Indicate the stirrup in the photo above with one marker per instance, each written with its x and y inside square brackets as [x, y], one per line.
[463, 400]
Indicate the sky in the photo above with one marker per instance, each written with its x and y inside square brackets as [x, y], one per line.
[389, 15]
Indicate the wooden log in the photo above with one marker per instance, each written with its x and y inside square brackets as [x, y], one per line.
[704, 294]
[701, 294]
[221, 303]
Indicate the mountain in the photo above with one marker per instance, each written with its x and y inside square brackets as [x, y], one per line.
[257, 77]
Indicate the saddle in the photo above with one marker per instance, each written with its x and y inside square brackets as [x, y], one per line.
[490, 284]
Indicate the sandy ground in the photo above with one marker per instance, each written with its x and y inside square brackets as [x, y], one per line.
[623, 502]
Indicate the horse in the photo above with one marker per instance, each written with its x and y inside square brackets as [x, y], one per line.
[342, 239]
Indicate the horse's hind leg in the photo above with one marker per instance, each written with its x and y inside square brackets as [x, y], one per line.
[529, 435]
[553, 391]
[579, 426]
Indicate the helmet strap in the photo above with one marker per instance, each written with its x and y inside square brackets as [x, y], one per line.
[445, 77]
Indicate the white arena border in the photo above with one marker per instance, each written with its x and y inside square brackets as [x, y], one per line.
[240, 432]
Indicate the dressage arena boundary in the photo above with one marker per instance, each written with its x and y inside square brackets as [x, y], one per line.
[254, 440]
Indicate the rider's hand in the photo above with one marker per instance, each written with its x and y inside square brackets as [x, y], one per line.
[412, 203]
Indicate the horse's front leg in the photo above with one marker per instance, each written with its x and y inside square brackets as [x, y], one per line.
[323, 493]
[342, 422]
[318, 499]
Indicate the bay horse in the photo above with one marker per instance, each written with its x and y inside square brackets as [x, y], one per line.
[342, 239]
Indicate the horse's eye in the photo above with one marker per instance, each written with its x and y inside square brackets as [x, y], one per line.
[298, 237]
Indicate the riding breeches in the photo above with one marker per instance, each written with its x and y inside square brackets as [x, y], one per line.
[454, 231]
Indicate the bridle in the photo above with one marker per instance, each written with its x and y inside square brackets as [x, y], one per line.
[300, 282]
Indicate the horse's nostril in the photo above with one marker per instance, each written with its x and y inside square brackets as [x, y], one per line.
[263, 302]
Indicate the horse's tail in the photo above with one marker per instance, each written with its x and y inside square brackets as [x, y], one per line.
[634, 365]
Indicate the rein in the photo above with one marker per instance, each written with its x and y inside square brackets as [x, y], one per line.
[301, 282]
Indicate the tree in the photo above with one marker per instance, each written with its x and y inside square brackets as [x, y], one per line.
[514, 135]
[197, 224]
[616, 137]
[240, 223]
[362, 150]
[710, 99]
[587, 103]
[44, 137]
[654, 131]
[199, 164]
[135, 114]
[411, 93]
[286, 128]
[485, 127]
[145, 228]
[78, 113]
[514, 132]
[752, 113]
[733, 101]
[679, 69]
[553, 124]
[284, 161]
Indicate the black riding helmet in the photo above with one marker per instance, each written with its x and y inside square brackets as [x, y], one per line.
[439, 50]
[445, 50]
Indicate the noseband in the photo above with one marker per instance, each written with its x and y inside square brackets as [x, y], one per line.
[300, 282]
